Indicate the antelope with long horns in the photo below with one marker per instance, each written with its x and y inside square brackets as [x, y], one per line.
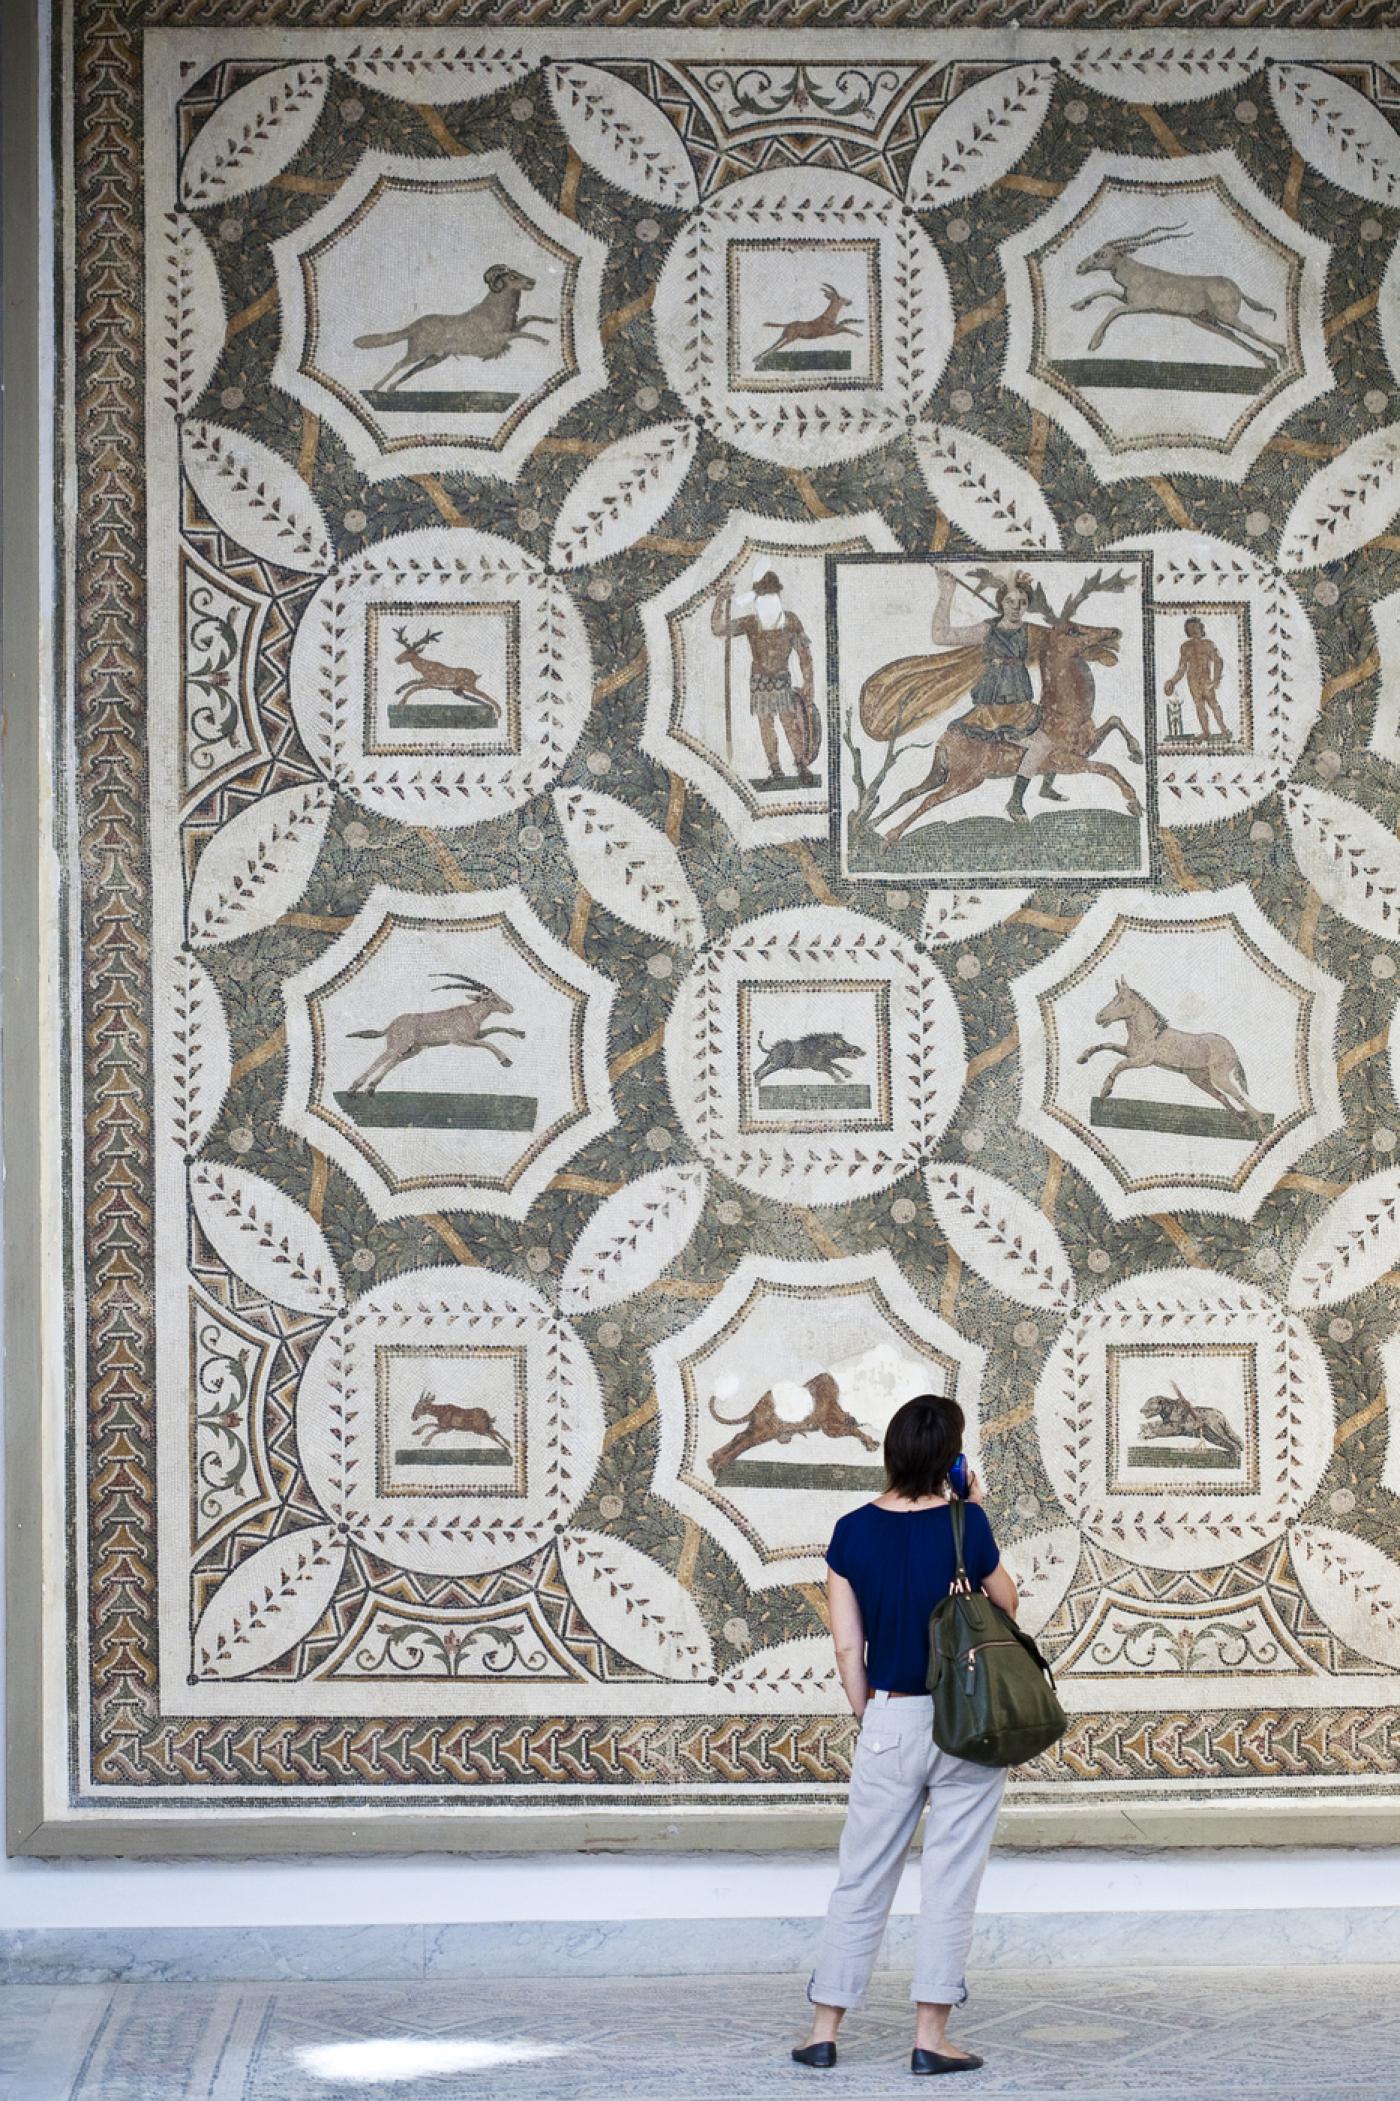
[1212, 303]
[467, 1025]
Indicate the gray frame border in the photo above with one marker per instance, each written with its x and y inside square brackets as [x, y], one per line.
[33, 1169]
[25, 676]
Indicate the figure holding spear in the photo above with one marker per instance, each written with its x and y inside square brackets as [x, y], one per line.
[775, 635]
[1006, 733]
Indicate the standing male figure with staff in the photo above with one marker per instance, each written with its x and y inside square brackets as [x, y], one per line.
[774, 635]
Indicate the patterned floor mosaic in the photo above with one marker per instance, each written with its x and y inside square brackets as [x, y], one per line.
[1167, 2035]
[734, 740]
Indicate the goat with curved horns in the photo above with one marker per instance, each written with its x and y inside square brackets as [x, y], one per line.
[407, 1034]
[1212, 303]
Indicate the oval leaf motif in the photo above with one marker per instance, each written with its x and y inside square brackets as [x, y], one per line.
[1388, 311]
[253, 495]
[629, 866]
[1163, 69]
[200, 1059]
[1002, 1236]
[1338, 132]
[270, 1242]
[986, 495]
[622, 494]
[258, 864]
[1390, 1373]
[1350, 859]
[957, 915]
[980, 135]
[435, 69]
[623, 136]
[269, 1603]
[632, 1238]
[637, 1607]
[1042, 1566]
[1352, 1587]
[1356, 1240]
[191, 313]
[1385, 625]
[251, 137]
[1346, 503]
[788, 1678]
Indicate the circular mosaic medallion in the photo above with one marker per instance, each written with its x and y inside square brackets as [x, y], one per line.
[441, 677]
[815, 1055]
[1184, 1418]
[450, 1421]
[804, 315]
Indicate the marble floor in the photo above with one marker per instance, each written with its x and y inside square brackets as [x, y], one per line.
[1169, 2035]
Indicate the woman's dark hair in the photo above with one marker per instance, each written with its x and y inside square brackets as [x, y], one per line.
[922, 1440]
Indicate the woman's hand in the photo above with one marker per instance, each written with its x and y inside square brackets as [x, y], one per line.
[974, 1490]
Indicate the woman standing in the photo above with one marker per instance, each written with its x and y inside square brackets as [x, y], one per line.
[888, 1564]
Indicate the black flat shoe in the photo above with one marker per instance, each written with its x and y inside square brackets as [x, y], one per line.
[934, 2061]
[820, 2055]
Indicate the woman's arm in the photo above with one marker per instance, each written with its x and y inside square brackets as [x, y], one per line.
[848, 1633]
[945, 635]
[1001, 1590]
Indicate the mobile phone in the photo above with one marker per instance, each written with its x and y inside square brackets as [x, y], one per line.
[958, 1479]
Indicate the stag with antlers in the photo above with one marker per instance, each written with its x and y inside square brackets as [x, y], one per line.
[1006, 734]
[466, 1025]
[435, 677]
[1212, 303]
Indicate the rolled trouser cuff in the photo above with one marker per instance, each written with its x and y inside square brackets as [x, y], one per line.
[922, 1992]
[840, 1992]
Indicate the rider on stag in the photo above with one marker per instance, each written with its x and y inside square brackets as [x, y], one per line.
[989, 660]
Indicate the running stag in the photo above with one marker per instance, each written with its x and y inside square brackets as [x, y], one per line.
[434, 676]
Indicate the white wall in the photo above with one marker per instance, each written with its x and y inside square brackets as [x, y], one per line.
[136, 1894]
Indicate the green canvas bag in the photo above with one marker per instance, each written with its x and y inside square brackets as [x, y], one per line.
[993, 1694]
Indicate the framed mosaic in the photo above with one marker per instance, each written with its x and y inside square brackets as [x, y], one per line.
[716, 741]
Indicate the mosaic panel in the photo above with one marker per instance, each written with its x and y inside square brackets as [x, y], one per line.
[733, 751]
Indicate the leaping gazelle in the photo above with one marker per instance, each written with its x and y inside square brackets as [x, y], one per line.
[407, 1034]
[1211, 303]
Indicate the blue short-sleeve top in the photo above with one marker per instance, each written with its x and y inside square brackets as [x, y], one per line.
[899, 1564]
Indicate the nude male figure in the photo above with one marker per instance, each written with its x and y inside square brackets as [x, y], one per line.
[1202, 667]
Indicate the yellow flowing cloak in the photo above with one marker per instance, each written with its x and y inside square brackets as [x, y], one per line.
[912, 690]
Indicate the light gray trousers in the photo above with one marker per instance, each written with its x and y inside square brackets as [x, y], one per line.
[897, 1768]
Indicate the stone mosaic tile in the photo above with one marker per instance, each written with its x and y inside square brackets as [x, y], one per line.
[1155, 2035]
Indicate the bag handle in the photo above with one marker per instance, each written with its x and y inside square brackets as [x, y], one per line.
[962, 1583]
